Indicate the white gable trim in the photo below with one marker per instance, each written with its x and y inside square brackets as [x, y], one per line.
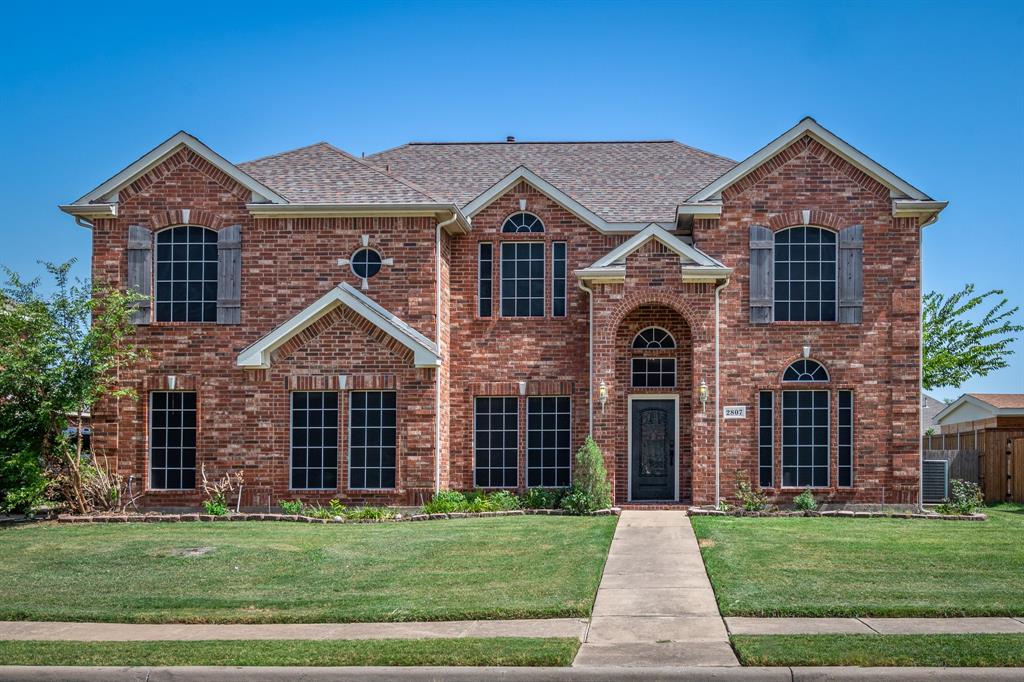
[557, 195]
[659, 233]
[107, 192]
[899, 188]
[981, 410]
[425, 354]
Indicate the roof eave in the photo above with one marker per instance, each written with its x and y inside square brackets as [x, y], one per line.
[462, 224]
[927, 210]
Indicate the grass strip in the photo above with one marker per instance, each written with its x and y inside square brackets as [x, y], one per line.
[498, 651]
[966, 651]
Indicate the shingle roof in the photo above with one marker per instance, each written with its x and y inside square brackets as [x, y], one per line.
[324, 174]
[930, 408]
[622, 182]
[1001, 401]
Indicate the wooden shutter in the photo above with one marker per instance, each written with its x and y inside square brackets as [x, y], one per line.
[762, 274]
[851, 275]
[229, 275]
[140, 271]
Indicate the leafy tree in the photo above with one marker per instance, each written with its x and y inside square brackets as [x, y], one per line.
[958, 345]
[59, 354]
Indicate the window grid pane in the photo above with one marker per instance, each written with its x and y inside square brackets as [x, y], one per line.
[558, 267]
[366, 263]
[805, 275]
[805, 370]
[654, 372]
[805, 438]
[548, 442]
[186, 275]
[485, 278]
[496, 442]
[314, 440]
[372, 435]
[172, 440]
[522, 279]
[766, 439]
[845, 439]
[653, 337]
[522, 222]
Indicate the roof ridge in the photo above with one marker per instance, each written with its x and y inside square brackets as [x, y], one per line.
[522, 142]
[390, 176]
[287, 151]
[704, 151]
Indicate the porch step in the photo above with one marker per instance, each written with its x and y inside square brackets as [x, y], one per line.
[657, 506]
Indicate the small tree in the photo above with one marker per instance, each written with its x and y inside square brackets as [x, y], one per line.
[957, 348]
[59, 354]
[590, 489]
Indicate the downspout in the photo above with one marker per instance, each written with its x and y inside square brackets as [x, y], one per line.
[82, 222]
[437, 339]
[718, 409]
[590, 357]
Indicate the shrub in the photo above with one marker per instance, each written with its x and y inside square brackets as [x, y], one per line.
[751, 499]
[216, 501]
[445, 502]
[723, 506]
[293, 507]
[317, 511]
[591, 489]
[476, 503]
[542, 498]
[805, 501]
[964, 498]
[503, 500]
[577, 501]
[215, 507]
[22, 483]
[370, 513]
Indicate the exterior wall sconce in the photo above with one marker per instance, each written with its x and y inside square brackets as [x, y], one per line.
[522, 204]
[807, 352]
[702, 395]
[602, 394]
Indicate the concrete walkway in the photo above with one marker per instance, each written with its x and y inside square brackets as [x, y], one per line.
[874, 626]
[655, 606]
[126, 632]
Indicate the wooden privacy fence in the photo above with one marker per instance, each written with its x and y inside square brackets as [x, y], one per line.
[993, 459]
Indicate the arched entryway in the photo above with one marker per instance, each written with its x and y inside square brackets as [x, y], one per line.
[653, 372]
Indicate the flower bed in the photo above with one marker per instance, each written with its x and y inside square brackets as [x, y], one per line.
[841, 513]
[158, 517]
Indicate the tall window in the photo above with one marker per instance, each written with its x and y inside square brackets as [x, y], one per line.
[522, 279]
[314, 440]
[485, 278]
[766, 439]
[372, 437]
[186, 275]
[845, 438]
[523, 222]
[653, 372]
[172, 440]
[496, 442]
[548, 442]
[558, 290]
[805, 274]
[805, 438]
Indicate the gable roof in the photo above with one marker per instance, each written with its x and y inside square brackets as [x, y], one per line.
[425, 352]
[930, 409]
[323, 174]
[100, 200]
[635, 183]
[899, 188]
[695, 263]
[973, 406]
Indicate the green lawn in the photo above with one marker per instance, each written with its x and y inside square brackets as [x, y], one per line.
[880, 650]
[510, 567]
[481, 651]
[870, 567]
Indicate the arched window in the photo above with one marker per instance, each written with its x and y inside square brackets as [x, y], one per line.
[186, 274]
[653, 337]
[805, 370]
[805, 275]
[522, 222]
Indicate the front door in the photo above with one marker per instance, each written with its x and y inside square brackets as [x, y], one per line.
[652, 450]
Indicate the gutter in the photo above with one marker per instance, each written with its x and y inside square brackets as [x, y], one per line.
[590, 356]
[437, 339]
[718, 409]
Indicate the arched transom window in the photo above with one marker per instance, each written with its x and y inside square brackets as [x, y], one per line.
[805, 370]
[805, 275]
[653, 337]
[186, 274]
[522, 222]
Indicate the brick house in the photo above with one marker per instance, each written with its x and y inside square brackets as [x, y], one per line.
[462, 315]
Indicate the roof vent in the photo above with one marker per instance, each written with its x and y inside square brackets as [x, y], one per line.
[510, 139]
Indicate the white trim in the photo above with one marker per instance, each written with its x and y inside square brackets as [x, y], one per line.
[425, 351]
[654, 231]
[709, 209]
[558, 196]
[969, 399]
[912, 208]
[808, 126]
[107, 192]
[91, 211]
[674, 397]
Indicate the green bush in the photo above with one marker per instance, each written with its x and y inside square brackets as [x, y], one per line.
[293, 507]
[445, 502]
[370, 513]
[577, 501]
[964, 498]
[542, 498]
[22, 483]
[215, 507]
[503, 500]
[752, 499]
[805, 501]
[591, 489]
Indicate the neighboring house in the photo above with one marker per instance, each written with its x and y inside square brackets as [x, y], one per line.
[930, 408]
[461, 315]
[980, 411]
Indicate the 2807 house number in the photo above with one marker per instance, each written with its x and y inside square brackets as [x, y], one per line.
[735, 412]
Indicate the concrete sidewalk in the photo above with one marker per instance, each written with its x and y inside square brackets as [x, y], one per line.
[655, 606]
[874, 626]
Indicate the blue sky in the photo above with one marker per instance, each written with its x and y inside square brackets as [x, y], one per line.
[932, 90]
